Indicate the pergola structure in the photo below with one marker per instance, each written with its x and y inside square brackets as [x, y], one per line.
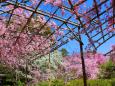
[95, 20]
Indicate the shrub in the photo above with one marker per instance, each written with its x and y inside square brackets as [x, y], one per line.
[44, 83]
[75, 83]
[19, 83]
[98, 82]
[113, 82]
[53, 83]
[91, 83]
[107, 70]
[57, 83]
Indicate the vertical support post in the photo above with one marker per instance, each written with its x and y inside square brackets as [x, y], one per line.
[82, 59]
[16, 77]
[49, 71]
[83, 64]
[78, 39]
[26, 72]
[113, 5]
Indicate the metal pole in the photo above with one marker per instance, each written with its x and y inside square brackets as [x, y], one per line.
[26, 71]
[16, 77]
[82, 60]
[83, 64]
[78, 39]
[49, 71]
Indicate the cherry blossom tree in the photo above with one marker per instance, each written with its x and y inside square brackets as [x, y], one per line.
[21, 35]
[92, 61]
[18, 40]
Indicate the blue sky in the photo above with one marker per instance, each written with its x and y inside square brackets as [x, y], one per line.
[73, 46]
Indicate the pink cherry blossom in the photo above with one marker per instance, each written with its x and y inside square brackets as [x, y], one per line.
[113, 47]
[2, 28]
[58, 3]
[49, 1]
[62, 12]
[92, 63]
[11, 49]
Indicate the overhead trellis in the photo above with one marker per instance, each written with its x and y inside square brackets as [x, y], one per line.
[94, 18]
[96, 26]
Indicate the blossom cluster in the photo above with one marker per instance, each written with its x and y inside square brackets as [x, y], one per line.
[22, 36]
[92, 63]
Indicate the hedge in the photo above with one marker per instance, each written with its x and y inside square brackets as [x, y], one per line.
[98, 82]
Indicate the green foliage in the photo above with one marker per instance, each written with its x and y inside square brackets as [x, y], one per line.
[98, 82]
[113, 82]
[57, 83]
[53, 83]
[10, 76]
[75, 83]
[45, 83]
[5, 70]
[107, 70]
[64, 52]
[19, 83]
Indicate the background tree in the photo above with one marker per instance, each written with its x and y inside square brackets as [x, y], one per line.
[107, 70]
[64, 52]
